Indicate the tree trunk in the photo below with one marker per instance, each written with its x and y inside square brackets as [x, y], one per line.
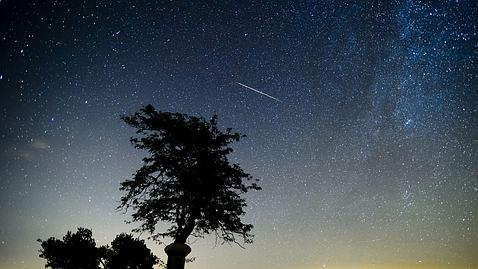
[185, 233]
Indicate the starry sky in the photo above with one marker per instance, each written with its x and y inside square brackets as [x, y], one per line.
[370, 160]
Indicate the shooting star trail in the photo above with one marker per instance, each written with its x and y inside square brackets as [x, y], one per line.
[263, 93]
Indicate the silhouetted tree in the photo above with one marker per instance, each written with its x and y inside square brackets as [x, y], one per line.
[187, 179]
[76, 251]
[127, 252]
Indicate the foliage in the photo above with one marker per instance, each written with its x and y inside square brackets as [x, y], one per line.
[127, 252]
[187, 179]
[78, 251]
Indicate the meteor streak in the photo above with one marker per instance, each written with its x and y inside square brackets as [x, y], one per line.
[263, 93]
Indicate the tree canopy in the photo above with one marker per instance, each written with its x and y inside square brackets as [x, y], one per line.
[78, 251]
[127, 252]
[187, 179]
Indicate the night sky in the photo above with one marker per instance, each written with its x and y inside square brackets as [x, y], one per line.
[369, 159]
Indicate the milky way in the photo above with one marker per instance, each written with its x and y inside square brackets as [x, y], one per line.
[370, 161]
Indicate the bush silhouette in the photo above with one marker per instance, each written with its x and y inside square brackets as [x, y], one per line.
[127, 252]
[78, 251]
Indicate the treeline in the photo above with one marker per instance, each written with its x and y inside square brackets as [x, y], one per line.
[79, 251]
